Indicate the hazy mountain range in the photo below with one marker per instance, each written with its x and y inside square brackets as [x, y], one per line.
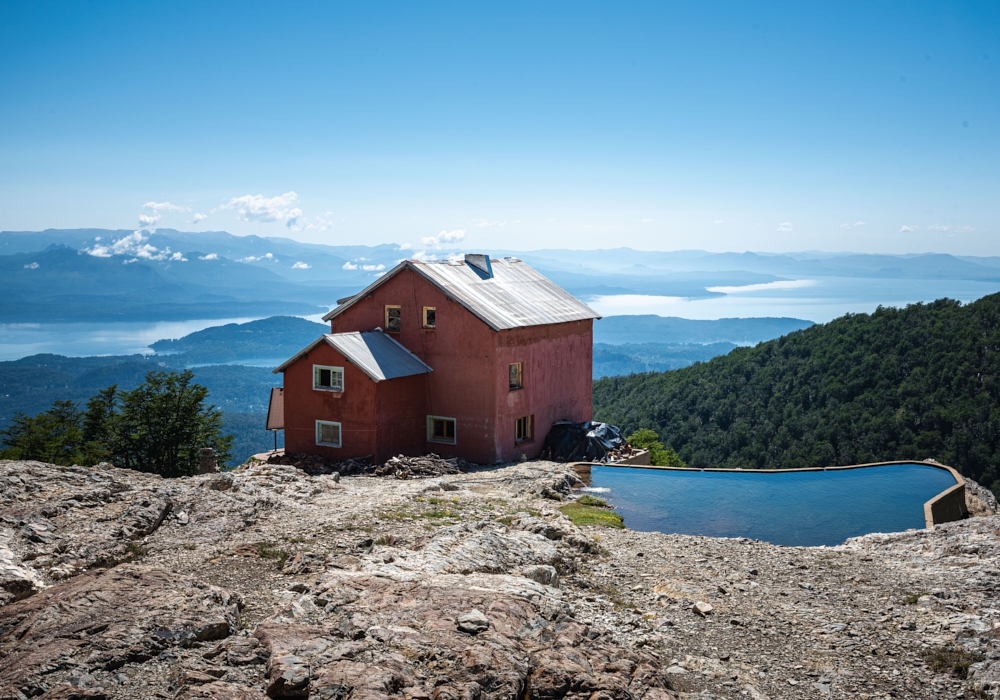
[101, 275]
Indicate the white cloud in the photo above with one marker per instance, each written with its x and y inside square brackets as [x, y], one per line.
[164, 206]
[405, 246]
[198, 218]
[350, 266]
[251, 258]
[424, 256]
[260, 209]
[301, 266]
[645, 221]
[856, 224]
[210, 256]
[939, 228]
[785, 226]
[31, 266]
[148, 220]
[372, 268]
[134, 246]
[484, 223]
[442, 238]
[907, 229]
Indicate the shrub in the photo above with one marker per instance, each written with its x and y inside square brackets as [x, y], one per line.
[659, 456]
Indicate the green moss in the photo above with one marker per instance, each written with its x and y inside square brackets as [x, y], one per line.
[588, 500]
[912, 599]
[953, 660]
[591, 515]
[265, 550]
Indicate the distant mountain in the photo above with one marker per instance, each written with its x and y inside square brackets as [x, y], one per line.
[62, 284]
[30, 385]
[278, 337]
[898, 384]
[615, 360]
[617, 330]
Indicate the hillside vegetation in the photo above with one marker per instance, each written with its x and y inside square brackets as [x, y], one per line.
[914, 383]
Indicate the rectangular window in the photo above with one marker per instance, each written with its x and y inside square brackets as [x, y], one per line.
[440, 429]
[430, 317]
[393, 319]
[328, 378]
[522, 428]
[515, 376]
[327, 433]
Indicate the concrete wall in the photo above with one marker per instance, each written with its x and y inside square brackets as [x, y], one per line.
[949, 505]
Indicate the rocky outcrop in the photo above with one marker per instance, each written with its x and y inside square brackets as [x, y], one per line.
[102, 620]
[269, 582]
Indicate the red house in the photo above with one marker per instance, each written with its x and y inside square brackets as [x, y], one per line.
[474, 359]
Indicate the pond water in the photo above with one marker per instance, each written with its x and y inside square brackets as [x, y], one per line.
[783, 507]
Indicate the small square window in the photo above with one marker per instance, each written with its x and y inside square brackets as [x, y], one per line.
[430, 317]
[393, 319]
[440, 429]
[523, 428]
[515, 376]
[327, 433]
[328, 378]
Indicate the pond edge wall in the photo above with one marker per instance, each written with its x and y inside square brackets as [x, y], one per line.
[946, 507]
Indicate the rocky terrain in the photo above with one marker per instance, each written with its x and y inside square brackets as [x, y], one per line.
[269, 582]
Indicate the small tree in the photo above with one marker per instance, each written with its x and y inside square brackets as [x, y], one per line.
[55, 436]
[157, 427]
[659, 456]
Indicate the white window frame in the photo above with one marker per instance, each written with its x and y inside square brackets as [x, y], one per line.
[317, 387]
[430, 430]
[340, 433]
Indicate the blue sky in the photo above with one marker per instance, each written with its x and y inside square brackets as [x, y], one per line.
[716, 125]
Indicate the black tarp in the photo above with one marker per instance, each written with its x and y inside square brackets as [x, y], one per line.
[581, 442]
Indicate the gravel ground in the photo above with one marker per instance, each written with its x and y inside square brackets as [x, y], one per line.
[318, 564]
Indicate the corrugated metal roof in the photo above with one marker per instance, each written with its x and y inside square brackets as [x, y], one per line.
[514, 297]
[373, 352]
[377, 355]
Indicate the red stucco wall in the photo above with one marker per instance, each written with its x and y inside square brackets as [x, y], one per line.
[354, 408]
[469, 382]
[557, 367]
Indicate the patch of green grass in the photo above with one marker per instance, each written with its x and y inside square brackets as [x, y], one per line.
[134, 551]
[952, 659]
[191, 547]
[588, 500]
[591, 515]
[507, 520]
[265, 550]
[614, 595]
[912, 599]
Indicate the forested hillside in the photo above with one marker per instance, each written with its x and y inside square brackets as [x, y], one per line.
[914, 383]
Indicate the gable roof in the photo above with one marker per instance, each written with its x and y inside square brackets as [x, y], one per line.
[373, 352]
[504, 294]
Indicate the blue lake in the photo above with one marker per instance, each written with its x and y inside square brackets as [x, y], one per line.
[787, 508]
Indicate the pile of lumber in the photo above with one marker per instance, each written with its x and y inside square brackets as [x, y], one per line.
[403, 467]
[400, 467]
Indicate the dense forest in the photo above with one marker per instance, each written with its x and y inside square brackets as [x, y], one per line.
[914, 383]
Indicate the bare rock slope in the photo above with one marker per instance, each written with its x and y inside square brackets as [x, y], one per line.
[268, 582]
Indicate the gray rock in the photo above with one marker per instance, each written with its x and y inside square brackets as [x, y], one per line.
[473, 622]
[543, 574]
